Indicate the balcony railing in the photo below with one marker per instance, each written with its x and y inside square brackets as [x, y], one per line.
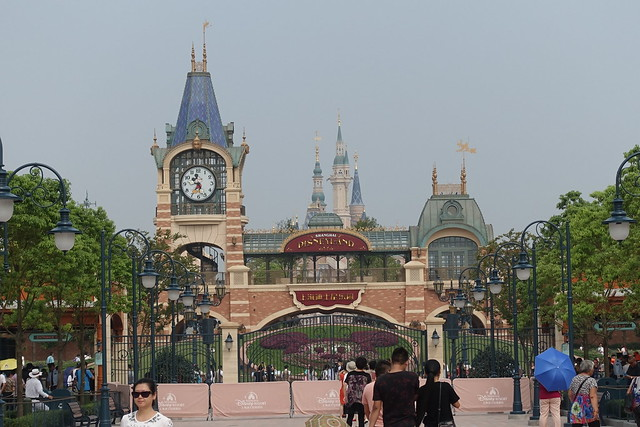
[370, 275]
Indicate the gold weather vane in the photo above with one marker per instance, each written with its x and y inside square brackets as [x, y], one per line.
[205, 25]
[464, 148]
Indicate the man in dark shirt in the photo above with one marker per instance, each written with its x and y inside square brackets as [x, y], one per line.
[396, 393]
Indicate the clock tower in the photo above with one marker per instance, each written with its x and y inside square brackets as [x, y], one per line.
[199, 190]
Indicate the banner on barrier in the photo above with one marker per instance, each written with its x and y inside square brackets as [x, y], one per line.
[251, 399]
[316, 397]
[490, 394]
[183, 400]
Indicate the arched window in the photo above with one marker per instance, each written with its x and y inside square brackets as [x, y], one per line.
[448, 256]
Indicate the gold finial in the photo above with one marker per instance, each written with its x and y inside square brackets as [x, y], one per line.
[193, 58]
[434, 180]
[463, 178]
[205, 25]
[317, 154]
[197, 144]
[244, 137]
[339, 121]
[355, 158]
[155, 142]
[317, 137]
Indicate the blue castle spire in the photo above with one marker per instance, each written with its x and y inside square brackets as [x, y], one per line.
[199, 112]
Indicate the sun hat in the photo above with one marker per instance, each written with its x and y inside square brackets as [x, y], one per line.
[35, 372]
[351, 366]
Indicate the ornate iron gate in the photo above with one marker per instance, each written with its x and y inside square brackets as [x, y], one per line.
[481, 352]
[308, 345]
[178, 358]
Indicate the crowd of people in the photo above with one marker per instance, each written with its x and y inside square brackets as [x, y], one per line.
[39, 383]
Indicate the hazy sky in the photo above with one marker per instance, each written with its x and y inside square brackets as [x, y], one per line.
[546, 91]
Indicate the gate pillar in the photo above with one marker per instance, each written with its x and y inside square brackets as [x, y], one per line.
[230, 356]
[435, 324]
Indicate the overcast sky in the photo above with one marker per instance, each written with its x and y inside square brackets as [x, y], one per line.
[546, 91]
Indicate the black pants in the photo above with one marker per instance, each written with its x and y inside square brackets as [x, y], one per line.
[351, 410]
[595, 423]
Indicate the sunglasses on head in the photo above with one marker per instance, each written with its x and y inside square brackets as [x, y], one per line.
[137, 394]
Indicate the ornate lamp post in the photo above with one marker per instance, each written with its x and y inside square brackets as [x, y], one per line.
[619, 223]
[523, 271]
[64, 232]
[136, 246]
[495, 284]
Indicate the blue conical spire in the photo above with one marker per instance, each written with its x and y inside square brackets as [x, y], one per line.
[341, 157]
[199, 105]
[356, 193]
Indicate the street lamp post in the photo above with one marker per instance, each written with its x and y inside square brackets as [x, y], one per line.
[619, 223]
[523, 271]
[64, 232]
[496, 283]
[137, 246]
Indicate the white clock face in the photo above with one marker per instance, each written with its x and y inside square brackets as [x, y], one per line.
[198, 183]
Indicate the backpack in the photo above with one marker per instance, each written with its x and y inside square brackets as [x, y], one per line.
[355, 386]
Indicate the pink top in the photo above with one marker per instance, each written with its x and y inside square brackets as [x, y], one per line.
[367, 400]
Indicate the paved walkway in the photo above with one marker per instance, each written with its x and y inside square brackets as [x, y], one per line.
[462, 420]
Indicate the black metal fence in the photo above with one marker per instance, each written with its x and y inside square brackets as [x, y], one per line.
[311, 347]
[181, 358]
[479, 352]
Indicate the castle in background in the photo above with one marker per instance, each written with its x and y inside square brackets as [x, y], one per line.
[348, 213]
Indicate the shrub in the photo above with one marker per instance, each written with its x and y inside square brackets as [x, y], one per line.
[481, 364]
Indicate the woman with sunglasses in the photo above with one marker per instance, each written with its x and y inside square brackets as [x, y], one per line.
[144, 393]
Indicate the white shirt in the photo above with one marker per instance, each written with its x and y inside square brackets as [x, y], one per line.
[158, 420]
[33, 389]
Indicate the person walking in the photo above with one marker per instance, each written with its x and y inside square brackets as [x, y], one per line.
[583, 395]
[382, 367]
[634, 391]
[396, 392]
[435, 399]
[549, 404]
[144, 392]
[354, 384]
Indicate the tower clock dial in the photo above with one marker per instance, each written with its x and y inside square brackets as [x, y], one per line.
[198, 183]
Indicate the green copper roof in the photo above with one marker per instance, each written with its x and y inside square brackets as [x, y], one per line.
[325, 219]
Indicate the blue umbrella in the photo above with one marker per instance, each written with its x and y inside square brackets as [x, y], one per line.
[554, 370]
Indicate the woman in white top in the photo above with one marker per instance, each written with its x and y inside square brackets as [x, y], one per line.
[144, 393]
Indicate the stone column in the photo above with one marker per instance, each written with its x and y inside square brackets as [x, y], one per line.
[414, 292]
[435, 324]
[230, 357]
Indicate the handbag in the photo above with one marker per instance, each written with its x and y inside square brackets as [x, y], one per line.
[630, 397]
[575, 406]
[443, 423]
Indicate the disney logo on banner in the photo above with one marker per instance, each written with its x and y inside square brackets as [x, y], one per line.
[330, 399]
[492, 397]
[251, 401]
[169, 402]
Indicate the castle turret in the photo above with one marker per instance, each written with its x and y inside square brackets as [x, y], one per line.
[341, 179]
[317, 204]
[356, 208]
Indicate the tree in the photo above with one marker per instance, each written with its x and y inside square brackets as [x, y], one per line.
[367, 224]
[41, 282]
[605, 284]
